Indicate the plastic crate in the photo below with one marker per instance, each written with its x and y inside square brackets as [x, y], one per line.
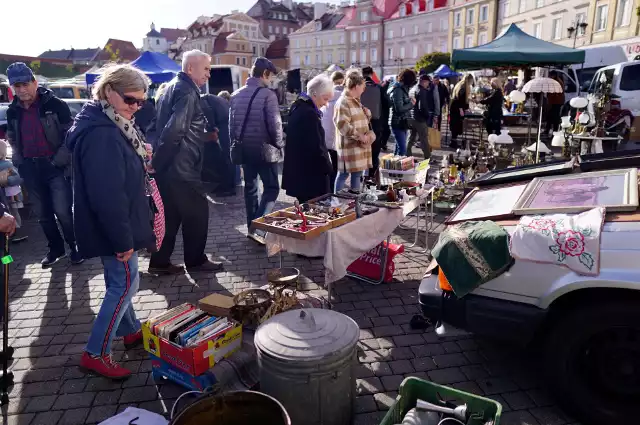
[413, 389]
[389, 177]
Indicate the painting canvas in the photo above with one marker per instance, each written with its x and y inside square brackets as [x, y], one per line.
[491, 203]
[617, 190]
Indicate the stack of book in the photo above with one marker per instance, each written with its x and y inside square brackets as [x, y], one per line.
[396, 162]
[188, 326]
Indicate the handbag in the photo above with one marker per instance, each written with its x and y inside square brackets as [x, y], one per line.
[157, 207]
[237, 155]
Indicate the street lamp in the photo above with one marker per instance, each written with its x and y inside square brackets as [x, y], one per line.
[398, 62]
[577, 28]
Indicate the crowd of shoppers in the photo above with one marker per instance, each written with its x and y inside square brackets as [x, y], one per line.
[401, 105]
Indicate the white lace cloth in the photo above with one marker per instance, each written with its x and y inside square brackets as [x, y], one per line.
[572, 241]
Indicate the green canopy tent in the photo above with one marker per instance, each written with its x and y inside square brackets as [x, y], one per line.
[515, 48]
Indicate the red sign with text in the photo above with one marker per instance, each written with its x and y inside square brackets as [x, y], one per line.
[368, 265]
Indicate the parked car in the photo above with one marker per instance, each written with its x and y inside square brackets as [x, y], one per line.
[625, 84]
[587, 328]
[69, 91]
[75, 105]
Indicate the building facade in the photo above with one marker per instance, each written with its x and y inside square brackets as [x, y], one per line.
[279, 19]
[418, 27]
[318, 44]
[230, 39]
[472, 23]
[162, 41]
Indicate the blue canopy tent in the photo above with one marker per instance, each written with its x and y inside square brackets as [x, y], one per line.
[158, 67]
[444, 71]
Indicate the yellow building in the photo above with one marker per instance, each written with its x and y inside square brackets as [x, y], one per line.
[614, 22]
[471, 23]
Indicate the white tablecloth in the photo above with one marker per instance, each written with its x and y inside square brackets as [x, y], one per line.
[343, 245]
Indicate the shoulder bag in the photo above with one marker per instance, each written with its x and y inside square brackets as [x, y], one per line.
[237, 156]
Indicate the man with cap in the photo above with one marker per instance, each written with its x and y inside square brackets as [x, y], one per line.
[37, 123]
[177, 161]
[262, 142]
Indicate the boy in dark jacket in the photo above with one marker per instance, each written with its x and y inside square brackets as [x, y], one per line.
[422, 116]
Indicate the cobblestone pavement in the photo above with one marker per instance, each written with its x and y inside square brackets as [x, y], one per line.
[52, 313]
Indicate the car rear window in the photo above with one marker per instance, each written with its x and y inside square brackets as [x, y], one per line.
[63, 92]
[630, 78]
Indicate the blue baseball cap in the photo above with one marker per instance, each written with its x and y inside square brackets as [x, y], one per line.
[264, 63]
[19, 72]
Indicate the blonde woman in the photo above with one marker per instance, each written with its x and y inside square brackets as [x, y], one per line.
[459, 104]
[354, 136]
[111, 212]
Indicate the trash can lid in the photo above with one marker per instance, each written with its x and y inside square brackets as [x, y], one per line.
[307, 334]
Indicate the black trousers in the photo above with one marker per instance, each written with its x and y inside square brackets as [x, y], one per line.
[183, 205]
[377, 126]
[334, 165]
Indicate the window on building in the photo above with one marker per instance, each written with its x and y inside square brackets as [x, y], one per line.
[354, 37]
[482, 38]
[623, 14]
[539, 4]
[374, 34]
[602, 11]
[456, 43]
[430, 5]
[270, 29]
[471, 15]
[318, 42]
[484, 13]
[237, 46]
[284, 30]
[374, 55]
[581, 17]
[244, 61]
[402, 32]
[363, 56]
[363, 36]
[254, 50]
[537, 30]
[157, 41]
[416, 29]
[329, 58]
[354, 56]
[402, 52]
[403, 11]
[390, 34]
[429, 27]
[364, 16]
[444, 24]
[556, 29]
[318, 59]
[262, 49]
[414, 52]
[254, 34]
[504, 9]
[277, 30]
[456, 19]
[389, 53]
[468, 41]
[429, 48]
[342, 57]
[296, 61]
[341, 38]
[306, 59]
[522, 6]
[237, 61]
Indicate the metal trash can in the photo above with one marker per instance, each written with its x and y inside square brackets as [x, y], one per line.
[307, 362]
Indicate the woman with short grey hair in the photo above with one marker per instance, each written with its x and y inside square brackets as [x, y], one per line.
[112, 215]
[307, 165]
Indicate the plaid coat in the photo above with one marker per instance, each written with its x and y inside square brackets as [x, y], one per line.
[351, 122]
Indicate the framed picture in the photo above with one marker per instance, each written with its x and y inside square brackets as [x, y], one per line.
[483, 204]
[617, 190]
[609, 160]
[527, 172]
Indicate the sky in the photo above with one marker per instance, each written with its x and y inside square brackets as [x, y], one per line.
[63, 24]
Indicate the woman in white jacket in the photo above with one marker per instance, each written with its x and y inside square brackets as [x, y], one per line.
[328, 124]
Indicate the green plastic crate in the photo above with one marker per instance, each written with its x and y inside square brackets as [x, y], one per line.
[413, 389]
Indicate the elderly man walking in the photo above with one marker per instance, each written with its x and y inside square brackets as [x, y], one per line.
[37, 125]
[181, 129]
[255, 118]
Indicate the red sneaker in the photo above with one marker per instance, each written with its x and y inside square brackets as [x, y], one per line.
[132, 340]
[103, 366]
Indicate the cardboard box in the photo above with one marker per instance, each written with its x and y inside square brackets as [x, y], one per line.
[193, 360]
[163, 370]
[217, 305]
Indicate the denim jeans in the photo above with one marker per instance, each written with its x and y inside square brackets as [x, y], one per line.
[342, 179]
[401, 141]
[258, 206]
[116, 316]
[50, 192]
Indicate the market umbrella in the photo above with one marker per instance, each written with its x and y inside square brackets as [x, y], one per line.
[541, 85]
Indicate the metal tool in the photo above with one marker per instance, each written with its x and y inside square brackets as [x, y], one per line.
[302, 216]
[459, 412]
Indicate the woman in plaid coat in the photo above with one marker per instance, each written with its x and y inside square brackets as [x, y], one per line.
[353, 133]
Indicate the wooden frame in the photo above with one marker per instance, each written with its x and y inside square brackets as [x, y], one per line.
[574, 198]
[527, 172]
[609, 160]
[491, 201]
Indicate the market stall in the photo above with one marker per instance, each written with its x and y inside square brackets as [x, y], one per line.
[157, 66]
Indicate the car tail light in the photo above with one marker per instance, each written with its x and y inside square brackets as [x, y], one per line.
[615, 103]
[443, 282]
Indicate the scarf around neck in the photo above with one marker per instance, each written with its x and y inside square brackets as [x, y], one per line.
[127, 128]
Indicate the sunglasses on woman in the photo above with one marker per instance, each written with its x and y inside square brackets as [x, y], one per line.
[130, 100]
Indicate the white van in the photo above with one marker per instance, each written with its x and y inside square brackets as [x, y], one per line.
[625, 84]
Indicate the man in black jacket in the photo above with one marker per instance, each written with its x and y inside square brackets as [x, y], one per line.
[372, 98]
[181, 126]
[422, 116]
[37, 124]
[445, 98]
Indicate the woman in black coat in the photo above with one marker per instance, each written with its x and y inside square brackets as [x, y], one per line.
[494, 102]
[459, 104]
[307, 165]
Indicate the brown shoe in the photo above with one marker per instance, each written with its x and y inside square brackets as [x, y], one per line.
[171, 269]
